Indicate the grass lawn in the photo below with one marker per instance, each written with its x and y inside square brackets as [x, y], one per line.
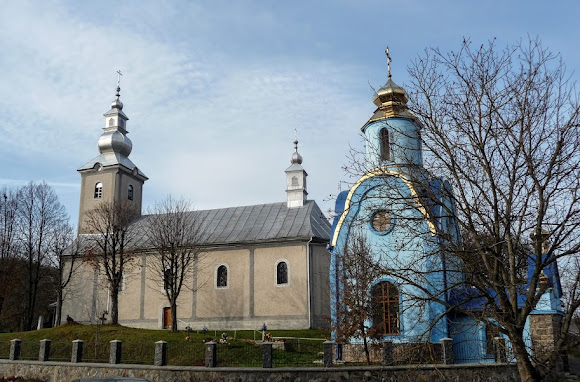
[139, 345]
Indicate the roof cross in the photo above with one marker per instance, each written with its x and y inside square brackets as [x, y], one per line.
[119, 74]
[388, 61]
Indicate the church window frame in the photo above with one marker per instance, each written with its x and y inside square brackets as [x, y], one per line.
[130, 192]
[294, 182]
[282, 270]
[98, 194]
[222, 276]
[386, 305]
[385, 144]
[381, 222]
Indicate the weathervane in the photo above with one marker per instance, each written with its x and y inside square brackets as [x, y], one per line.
[388, 61]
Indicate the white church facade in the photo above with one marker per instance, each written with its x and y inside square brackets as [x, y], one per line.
[260, 264]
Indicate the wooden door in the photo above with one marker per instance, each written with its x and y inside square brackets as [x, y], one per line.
[166, 318]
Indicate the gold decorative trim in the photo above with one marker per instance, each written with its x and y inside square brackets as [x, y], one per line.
[371, 174]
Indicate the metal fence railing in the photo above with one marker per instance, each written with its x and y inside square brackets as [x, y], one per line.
[60, 351]
[138, 352]
[189, 353]
[474, 351]
[301, 352]
[4, 349]
[243, 352]
[237, 353]
[96, 352]
[29, 350]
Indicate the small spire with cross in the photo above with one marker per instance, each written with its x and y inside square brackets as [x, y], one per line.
[388, 61]
[119, 74]
[296, 140]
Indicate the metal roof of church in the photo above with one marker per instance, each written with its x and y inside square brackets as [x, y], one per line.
[260, 223]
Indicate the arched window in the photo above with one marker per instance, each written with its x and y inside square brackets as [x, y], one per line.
[385, 144]
[222, 277]
[130, 192]
[282, 273]
[385, 304]
[98, 190]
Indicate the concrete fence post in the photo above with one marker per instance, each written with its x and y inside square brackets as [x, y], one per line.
[44, 352]
[327, 347]
[388, 348]
[210, 354]
[160, 353]
[15, 349]
[447, 351]
[77, 351]
[115, 352]
[267, 355]
[500, 350]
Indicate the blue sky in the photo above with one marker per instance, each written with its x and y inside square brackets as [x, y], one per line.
[214, 90]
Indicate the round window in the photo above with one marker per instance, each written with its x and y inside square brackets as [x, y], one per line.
[381, 221]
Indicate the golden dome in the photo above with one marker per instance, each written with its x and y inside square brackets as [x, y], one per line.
[390, 93]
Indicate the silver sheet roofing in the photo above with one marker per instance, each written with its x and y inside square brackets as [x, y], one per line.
[110, 159]
[258, 223]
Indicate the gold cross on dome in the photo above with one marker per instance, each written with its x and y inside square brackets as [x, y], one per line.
[388, 61]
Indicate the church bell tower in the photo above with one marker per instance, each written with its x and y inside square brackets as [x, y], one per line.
[296, 192]
[111, 176]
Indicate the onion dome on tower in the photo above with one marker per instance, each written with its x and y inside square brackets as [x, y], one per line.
[392, 133]
[114, 144]
[391, 99]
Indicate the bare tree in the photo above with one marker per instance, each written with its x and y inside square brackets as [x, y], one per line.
[64, 257]
[173, 230]
[111, 233]
[358, 272]
[39, 214]
[502, 126]
[8, 208]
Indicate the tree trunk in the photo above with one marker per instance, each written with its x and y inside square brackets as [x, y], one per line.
[367, 353]
[58, 312]
[114, 307]
[526, 370]
[174, 316]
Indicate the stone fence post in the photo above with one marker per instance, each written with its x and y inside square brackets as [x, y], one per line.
[500, 350]
[210, 354]
[115, 352]
[44, 351]
[267, 355]
[15, 348]
[77, 351]
[327, 346]
[160, 353]
[388, 348]
[447, 351]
